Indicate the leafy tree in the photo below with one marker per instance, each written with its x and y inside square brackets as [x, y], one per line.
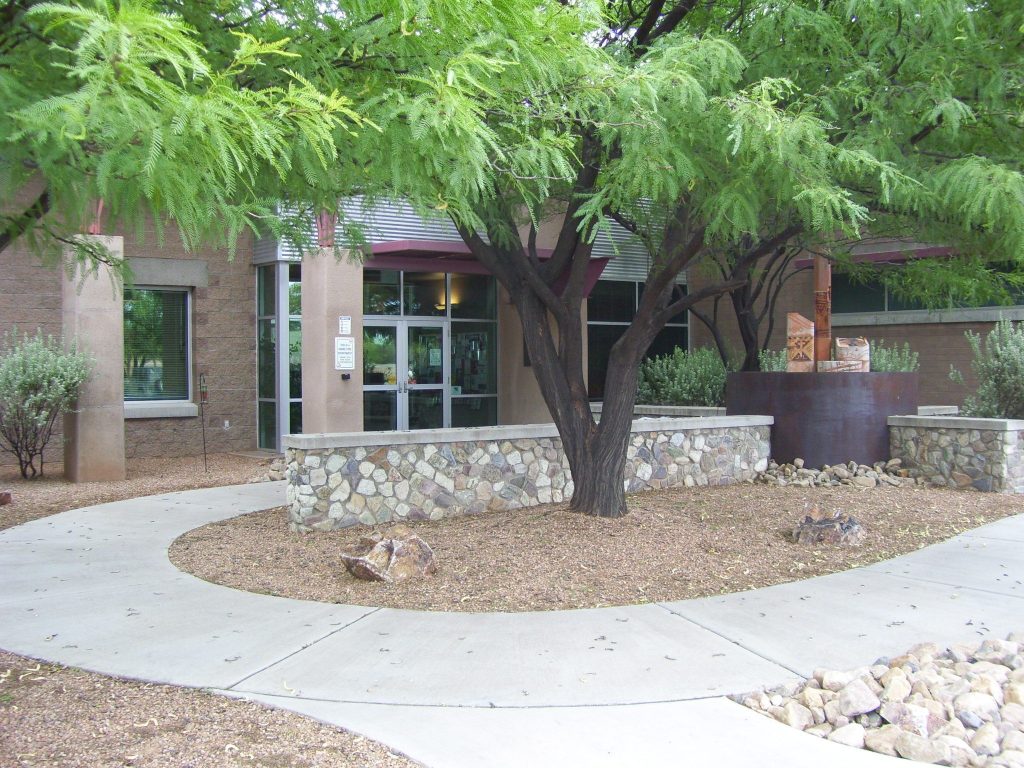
[713, 129]
[113, 101]
[725, 128]
[932, 88]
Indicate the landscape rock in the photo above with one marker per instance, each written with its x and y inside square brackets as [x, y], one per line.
[986, 740]
[835, 680]
[882, 740]
[909, 718]
[959, 752]
[400, 556]
[824, 528]
[958, 705]
[1013, 713]
[896, 691]
[851, 735]
[6, 497]
[856, 699]
[981, 704]
[918, 748]
[797, 716]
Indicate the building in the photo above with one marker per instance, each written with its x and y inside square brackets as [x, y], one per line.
[416, 335]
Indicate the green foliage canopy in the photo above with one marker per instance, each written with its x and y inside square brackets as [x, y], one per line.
[113, 100]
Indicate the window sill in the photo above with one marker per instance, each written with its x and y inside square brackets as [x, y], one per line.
[160, 409]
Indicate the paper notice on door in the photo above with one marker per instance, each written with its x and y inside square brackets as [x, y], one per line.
[435, 357]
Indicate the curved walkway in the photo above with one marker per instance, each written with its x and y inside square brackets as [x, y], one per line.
[93, 588]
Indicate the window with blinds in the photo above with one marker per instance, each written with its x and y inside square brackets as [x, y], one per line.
[156, 344]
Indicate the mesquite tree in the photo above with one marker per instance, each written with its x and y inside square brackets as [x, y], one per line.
[713, 127]
[745, 128]
[663, 136]
[721, 127]
[934, 88]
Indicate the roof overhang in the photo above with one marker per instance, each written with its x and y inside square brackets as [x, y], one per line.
[454, 257]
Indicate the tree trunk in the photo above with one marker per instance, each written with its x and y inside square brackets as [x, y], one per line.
[746, 320]
[598, 469]
[595, 450]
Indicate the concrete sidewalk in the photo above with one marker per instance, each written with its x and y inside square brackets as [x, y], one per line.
[93, 588]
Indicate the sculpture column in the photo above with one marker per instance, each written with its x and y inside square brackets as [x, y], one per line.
[93, 317]
[822, 309]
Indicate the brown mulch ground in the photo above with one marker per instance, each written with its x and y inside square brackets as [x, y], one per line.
[51, 493]
[677, 544]
[58, 716]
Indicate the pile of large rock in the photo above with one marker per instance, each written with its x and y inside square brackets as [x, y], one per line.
[275, 471]
[881, 473]
[961, 706]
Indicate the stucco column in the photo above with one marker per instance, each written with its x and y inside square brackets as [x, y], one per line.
[93, 317]
[332, 289]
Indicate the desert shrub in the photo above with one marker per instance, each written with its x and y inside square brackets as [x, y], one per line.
[39, 380]
[894, 359]
[683, 378]
[772, 361]
[999, 365]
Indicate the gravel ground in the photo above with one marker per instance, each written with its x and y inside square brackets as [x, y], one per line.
[676, 544]
[58, 716]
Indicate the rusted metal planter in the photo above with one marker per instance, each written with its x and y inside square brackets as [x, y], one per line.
[825, 418]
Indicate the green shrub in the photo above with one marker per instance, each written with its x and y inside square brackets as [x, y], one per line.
[683, 378]
[999, 365]
[894, 359]
[772, 361]
[38, 382]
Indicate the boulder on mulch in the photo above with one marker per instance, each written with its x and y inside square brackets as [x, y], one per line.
[399, 556]
[820, 527]
[5, 498]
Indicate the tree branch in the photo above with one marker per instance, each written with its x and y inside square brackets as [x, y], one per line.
[24, 221]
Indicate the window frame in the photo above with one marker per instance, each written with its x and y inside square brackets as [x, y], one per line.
[168, 408]
[638, 286]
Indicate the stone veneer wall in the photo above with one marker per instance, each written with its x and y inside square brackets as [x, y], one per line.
[340, 480]
[987, 454]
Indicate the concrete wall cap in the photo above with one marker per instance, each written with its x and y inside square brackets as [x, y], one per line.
[958, 422]
[314, 442]
[683, 411]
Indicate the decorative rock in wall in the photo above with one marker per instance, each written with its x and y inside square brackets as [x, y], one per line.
[945, 454]
[336, 487]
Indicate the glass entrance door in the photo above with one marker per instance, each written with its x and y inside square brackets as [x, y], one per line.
[406, 370]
